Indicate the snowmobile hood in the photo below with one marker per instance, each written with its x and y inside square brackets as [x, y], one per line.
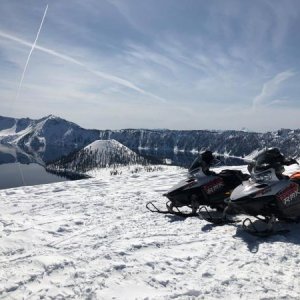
[247, 189]
[195, 181]
[259, 183]
[256, 189]
[181, 185]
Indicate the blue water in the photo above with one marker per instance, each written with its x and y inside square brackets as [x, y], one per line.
[16, 174]
[17, 167]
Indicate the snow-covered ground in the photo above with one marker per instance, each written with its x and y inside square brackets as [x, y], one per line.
[94, 239]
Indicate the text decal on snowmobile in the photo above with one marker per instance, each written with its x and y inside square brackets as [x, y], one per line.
[213, 186]
[288, 195]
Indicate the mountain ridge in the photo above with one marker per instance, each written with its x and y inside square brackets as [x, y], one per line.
[53, 134]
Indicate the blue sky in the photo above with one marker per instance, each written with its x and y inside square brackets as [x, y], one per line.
[173, 64]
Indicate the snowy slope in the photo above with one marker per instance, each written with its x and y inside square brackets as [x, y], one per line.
[94, 239]
[12, 130]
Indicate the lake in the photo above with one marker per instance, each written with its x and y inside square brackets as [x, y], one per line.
[17, 174]
[184, 159]
[18, 168]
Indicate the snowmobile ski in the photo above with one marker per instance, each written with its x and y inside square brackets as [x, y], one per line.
[170, 210]
[206, 215]
[250, 228]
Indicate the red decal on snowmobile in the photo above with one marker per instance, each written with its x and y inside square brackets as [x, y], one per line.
[266, 190]
[213, 186]
[190, 184]
[263, 192]
[289, 194]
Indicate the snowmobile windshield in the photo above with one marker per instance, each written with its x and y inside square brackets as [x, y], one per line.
[203, 162]
[195, 165]
[265, 176]
[267, 159]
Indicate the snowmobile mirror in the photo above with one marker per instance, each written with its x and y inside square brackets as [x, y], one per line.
[291, 161]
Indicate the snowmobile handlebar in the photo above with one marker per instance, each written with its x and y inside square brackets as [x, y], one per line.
[286, 161]
[290, 161]
[250, 161]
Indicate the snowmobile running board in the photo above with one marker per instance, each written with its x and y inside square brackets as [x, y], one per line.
[153, 208]
[250, 228]
[218, 221]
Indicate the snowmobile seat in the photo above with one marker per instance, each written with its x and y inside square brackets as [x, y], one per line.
[233, 178]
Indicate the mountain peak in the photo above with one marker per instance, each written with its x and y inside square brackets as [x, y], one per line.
[53, 117]
[99, 154]
[102, 145]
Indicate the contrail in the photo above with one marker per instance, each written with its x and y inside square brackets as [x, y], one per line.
[112, 78]
[31, 50]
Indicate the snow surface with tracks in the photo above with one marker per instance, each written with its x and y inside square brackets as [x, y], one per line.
[94, 239]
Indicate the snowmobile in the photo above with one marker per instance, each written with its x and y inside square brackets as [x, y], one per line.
[202, 187]
[268, 195]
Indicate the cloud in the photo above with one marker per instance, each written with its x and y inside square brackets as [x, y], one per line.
[112, 78]
[130, 55]
[123, 9]
[270, 88]
[143, 54]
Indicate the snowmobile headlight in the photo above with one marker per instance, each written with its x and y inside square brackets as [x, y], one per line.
[262, 177]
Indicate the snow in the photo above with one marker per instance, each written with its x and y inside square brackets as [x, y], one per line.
[106, 146]
[94, 239]
[12, 135]
[194, 151]
[9, 131]
[176, 150]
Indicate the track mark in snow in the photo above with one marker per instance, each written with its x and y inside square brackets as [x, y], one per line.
[94, 240]
[57, 190]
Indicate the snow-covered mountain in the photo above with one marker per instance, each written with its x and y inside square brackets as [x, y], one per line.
[100, 153]
[52, 137]
[237, 143]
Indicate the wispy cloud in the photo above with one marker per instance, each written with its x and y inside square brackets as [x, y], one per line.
[209, 58]
[123, 9]
[112, 78]
[31, 50]
[270, 88]
[143, 54]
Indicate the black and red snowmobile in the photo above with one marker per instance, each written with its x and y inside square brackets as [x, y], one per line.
[268, 195]
[202, 187]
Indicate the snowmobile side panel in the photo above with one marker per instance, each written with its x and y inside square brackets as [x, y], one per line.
[288, 201]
